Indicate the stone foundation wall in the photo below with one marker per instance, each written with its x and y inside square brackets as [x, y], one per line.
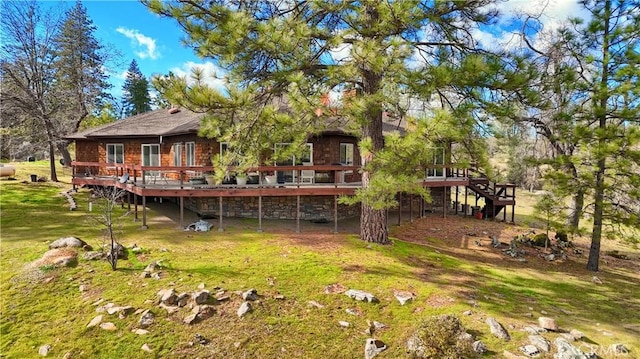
[311, 207]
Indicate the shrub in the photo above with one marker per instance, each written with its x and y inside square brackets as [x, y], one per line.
[441, 337]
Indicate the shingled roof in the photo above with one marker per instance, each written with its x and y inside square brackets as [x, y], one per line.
[154, 123]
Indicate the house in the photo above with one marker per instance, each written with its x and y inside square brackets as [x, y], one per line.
[159, 154]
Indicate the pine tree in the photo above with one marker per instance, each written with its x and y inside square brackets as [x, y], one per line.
[79, 66]
[135, 97]
[289, 54]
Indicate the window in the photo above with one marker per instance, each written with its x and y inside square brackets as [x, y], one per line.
[177, 154]
[437, 162]
[151, 155]
[346, 154]
[190, 148]
[306, 157]
[115, 153]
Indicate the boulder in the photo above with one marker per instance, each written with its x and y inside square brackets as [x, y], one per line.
[205, 312]
[182, 299]
[576, 334]
[146, 319]
[530, 350]
[568, 351]
[153, 266]
[93, 255]
[497, 329]
[58, 257]
[119, 250]
[619, 349]
[548, 323]
[245, 308]
[540, 342]
[361, 296]
[190, 319]
[168, 296]
[403, 296]
[479, 347]
[108, 326]
[95, 321]
[70, 242]
[373, 347]
[250, 295]
[44, 350]
[201, 297]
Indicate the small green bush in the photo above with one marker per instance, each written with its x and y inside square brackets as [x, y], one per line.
[441, 337]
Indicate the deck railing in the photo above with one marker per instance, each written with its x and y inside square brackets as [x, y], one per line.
[193, 176]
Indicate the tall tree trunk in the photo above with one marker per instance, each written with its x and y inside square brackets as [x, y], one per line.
[52, 161]
[600, 111]
[373, 222]
[63, 148]
[575, 210]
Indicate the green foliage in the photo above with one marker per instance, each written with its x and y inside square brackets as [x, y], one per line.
[281, 58]
[135, 92]
[440, 337]
[107, 114]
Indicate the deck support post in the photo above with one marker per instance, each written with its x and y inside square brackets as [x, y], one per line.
[181, 211]
[298, 213]
[493, 210]
[335, 214]
[135, 206]
[466, 202]
[456, 204]
[128, 201]
[504, 214]
[220, 229]
[445, 203]
[259, 213]
[411, 208]
[144, 212]
[513, 213]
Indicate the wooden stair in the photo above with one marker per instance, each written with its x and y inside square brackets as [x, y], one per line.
[496, 195]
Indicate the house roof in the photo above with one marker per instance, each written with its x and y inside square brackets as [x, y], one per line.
[154, 123]
[163, 122]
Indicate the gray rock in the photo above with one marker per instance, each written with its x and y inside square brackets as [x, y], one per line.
[403, 296]
[530, 350]
[108, 326]
[344, 324]
[497, 329]
[568, 351]
[361, 296]
[70, 242]
[146, 319]
[120, 251]
[153, 266]
[548, 323]
[596, 280]
[201, 286]
[168, 296]
[93, 255]
[146, 348]
[577, 335]
[379, 325]
[250, 295]
[201, 297]
[245, 308]
[534, 329]
[140, 331]
[205, 312]
[479, 347]
[373, 347]
[465, 337]
[190, 319]
[540, 342]
[351, 311]
[182, 299]
[156, 275]
[44, 350]
[313, 303]
[95, 321]
[467, 312]
[567, 336]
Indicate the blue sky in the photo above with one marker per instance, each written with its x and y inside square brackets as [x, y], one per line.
[155, 43]
[136, 33]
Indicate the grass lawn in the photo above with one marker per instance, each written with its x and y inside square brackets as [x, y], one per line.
[447, 273]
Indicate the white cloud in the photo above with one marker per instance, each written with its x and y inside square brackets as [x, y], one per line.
[145, 46]
[214, 77]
